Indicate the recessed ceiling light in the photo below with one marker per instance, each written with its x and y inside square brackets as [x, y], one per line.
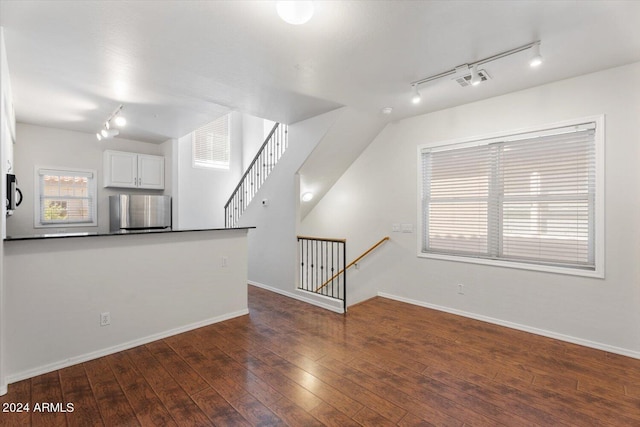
[295, 12]
[306, 197]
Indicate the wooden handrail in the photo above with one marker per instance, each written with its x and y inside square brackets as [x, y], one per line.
[353, 262]
[323, 239]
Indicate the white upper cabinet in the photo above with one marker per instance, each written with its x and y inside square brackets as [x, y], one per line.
[133, 170]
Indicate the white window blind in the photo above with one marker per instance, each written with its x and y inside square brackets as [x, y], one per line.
[66, 197]
[212, 144]
[527, 198]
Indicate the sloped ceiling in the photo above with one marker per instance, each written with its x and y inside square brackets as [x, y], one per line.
[175, 65]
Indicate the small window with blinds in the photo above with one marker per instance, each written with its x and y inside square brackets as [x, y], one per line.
[212, 144]
[530, 200]
[65, 198]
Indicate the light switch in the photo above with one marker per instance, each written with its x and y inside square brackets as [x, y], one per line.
[395, 227]
[407, 228]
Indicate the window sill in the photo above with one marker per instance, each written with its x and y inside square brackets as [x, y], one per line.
[66, 225]
[598, 273]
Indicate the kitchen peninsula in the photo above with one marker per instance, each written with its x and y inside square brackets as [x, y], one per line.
[60, 289]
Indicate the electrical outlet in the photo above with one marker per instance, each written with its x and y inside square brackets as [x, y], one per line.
[105, 318]
[460, 288]
[224, 262]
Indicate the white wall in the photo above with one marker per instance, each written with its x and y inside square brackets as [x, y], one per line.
[153, 285]
[252, 138]
[272, 245]
[380, 188]
[38, 146]
[7, 129]
[202, 193]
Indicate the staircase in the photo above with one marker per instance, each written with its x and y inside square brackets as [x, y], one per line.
[261, 166]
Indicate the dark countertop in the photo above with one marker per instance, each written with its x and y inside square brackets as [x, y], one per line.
[115, 233]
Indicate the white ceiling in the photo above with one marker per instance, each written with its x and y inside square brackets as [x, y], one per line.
[176, 65]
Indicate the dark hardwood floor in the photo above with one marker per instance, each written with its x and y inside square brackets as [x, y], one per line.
[384, 363]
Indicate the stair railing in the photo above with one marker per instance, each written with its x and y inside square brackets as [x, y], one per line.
[323, 266]
[319, 259]
[256, 174]
[352, 263]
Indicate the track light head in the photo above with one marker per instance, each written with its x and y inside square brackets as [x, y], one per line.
[416, 97]
[475, 77]
[108, 131]
[120, 121]
[536, 58]
[107, 134]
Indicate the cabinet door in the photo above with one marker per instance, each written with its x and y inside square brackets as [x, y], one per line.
[121, 169]
[150, 172]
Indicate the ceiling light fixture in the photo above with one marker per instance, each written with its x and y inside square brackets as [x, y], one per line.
[536, 60]
[475, 78]
[295, 12]
[306, 197]
[415, 97]
[120, 121]
[108, 132]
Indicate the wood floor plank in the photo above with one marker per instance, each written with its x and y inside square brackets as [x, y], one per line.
[218, 409]
[294, 415]
[112, 403]
[330, 416]
[182, 408]
[18, 396]
[233, 390]
[77, 390]
[383, 363]
[45, 389]
[145, 402]
[190, 381]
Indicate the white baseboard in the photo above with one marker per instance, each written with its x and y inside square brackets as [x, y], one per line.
[330, 304]
[536, 331]
[3, 390]
[117, 348]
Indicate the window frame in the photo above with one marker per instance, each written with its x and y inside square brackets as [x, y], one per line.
[599, 207]
[61, 171]
[198, 164]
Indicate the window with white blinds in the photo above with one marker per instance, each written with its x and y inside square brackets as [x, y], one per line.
[527, 198]
[212, 144]
[65, 198]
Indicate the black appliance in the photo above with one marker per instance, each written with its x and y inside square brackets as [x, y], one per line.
[14, 195]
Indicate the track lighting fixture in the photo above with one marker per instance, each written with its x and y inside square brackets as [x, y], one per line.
[475, 78]
[120, 121]
[108, 131]
[416, 97]
[536, 58]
